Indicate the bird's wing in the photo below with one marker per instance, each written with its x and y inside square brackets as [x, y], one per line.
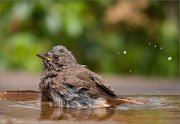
[94, 84]
[103, 86]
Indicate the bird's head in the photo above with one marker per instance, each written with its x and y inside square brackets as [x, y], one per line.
[57, 58]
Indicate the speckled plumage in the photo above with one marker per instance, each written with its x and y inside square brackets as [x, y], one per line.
[66, 83]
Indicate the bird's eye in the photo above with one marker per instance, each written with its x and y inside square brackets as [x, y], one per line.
[61, 50]
[56, 56]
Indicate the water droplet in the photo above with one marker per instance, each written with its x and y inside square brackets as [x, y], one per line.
[118, 53]
[124, 52]
[161, 48]
[149, 43]
[169, 58]
[154, 45]
[129, 70]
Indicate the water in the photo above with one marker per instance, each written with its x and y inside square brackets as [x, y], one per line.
[25, 107]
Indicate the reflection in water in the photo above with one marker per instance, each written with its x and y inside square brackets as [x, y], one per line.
[51, 113]
[26, 106]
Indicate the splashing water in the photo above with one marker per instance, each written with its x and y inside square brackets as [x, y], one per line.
[169, 58]
[124, 52]
[28, 108]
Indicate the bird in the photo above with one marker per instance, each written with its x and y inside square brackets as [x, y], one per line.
[66, 83]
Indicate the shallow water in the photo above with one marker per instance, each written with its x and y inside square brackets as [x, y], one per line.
[25, 107]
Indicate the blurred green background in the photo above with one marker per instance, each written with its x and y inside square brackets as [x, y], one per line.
[114, 37]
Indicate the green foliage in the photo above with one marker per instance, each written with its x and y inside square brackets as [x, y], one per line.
[108, 36]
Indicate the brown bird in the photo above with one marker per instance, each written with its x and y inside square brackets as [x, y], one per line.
[65, 83]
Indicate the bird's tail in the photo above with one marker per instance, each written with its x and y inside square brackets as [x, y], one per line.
[131, 101]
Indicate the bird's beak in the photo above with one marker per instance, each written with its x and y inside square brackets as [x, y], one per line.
[44, 57]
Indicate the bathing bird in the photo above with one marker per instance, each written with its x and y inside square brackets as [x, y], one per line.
[66, 83]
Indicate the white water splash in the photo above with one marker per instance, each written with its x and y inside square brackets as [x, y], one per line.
[124, 52]
[169, 58]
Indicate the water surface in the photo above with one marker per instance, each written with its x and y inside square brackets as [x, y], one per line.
[25, 107]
